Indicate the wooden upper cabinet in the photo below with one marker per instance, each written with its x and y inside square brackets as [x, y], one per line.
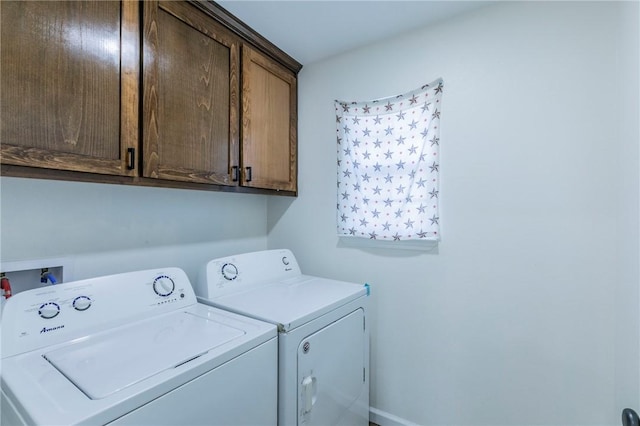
[69, 73]
[269, 123]
[161, 93]
[190, 102]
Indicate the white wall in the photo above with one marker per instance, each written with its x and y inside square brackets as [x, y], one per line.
[627, 291]
[527, 311]
[107, 229]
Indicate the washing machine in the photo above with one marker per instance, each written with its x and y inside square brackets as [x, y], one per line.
[134, 349]
[323, 340]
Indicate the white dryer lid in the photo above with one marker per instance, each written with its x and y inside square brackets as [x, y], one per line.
[293, 302]
[106, 363]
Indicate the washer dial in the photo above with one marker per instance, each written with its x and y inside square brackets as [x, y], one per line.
[49, 310]
[163, 285]
[229, 271]
[81, 303]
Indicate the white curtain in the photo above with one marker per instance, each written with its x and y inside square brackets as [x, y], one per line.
[388, 166]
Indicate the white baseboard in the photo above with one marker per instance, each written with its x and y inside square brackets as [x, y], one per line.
[383, 418]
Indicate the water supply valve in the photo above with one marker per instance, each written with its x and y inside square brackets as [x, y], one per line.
[46, 276]
[5, 285]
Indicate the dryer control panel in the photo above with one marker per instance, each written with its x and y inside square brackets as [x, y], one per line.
[234, 274]
[59, 313]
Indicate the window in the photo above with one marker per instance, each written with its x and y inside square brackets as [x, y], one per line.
[388, 166]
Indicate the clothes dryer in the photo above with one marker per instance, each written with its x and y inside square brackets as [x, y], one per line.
[134, 349]
[323, 357]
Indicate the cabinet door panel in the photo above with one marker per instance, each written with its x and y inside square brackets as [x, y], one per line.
[65, 103]
[190, 98]
[269, 120]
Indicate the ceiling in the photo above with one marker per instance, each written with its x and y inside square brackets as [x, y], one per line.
[311, 30]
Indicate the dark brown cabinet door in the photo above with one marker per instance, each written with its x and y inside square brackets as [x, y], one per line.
[69, 73]
[190, 104]
[269, 123]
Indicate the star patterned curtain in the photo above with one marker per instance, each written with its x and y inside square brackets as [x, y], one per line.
[388, 166]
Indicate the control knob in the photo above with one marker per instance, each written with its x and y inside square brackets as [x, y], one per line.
[49, 310]
[229, 271]
[163, 285]
[81, 303]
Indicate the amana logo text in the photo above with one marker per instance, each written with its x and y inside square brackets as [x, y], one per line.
[46, 330]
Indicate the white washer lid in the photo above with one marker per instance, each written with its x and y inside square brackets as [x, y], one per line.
[293, 302]
[106, 363]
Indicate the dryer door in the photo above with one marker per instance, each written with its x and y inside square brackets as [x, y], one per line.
[331, 372]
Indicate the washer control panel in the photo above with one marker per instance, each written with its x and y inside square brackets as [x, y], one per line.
[61, 312]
